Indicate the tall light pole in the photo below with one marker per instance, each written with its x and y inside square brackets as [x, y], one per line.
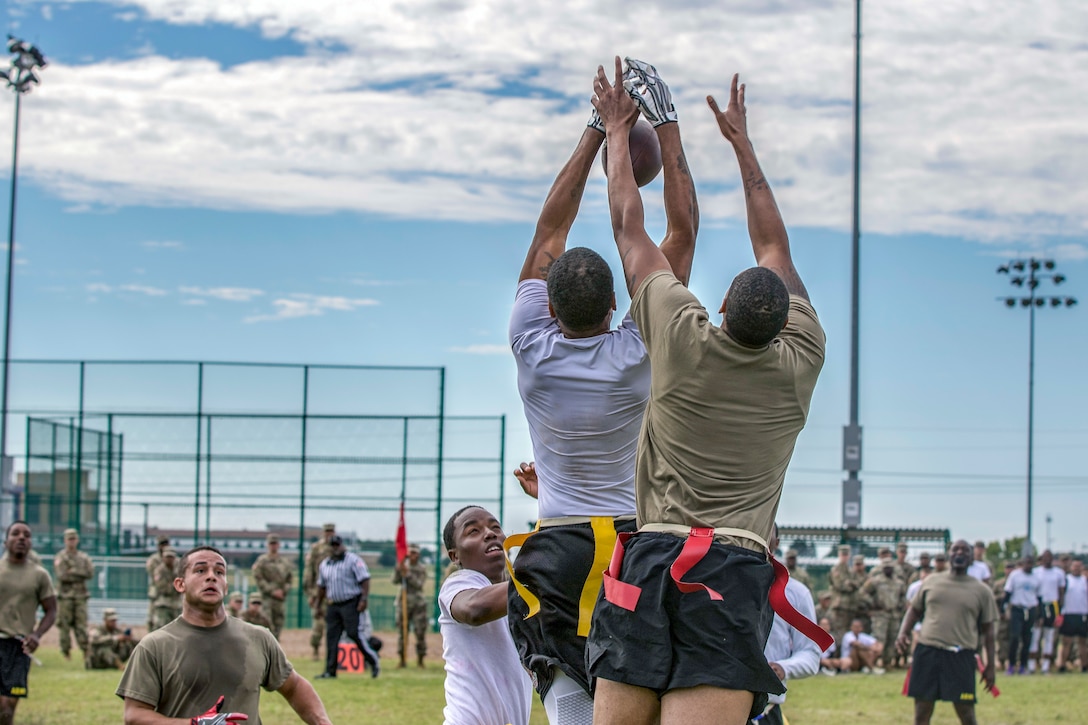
[21, 78]
[1030, 273]
[851, 433]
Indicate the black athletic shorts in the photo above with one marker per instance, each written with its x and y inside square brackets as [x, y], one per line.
[1049, 613]
[1074, 625]
[14, 668]
[941, 674]
[674, 640]
[553, 565]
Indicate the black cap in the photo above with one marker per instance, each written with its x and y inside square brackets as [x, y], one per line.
[335, 540]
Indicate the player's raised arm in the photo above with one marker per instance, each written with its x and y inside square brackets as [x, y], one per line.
[765, 227]
[561, 206]
[640, 256]
[654, 99]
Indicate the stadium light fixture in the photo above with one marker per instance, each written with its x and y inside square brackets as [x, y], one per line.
[1035, 276]
[21, 78]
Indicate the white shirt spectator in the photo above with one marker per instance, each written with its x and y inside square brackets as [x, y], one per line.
[1076, 595]
[980, 570]
[1051, 583]
[1023, 589]
[796, 654]
[850, 638]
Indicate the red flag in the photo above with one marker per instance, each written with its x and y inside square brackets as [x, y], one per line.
[402, 537]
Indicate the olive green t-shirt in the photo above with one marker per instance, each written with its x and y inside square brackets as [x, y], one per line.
[953, 609]
[722, 419]
[182, 669]
[22, 588]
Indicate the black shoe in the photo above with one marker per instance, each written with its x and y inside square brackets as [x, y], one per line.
[326, 676]
[375, 670]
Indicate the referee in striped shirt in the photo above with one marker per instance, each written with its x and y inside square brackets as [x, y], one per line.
[344, 581]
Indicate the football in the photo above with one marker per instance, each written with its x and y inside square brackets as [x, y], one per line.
[645, 152]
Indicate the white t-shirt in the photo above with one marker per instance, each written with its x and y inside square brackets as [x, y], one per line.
[980, 570]
[1023, 588]
[798, 655]
[849, 638]
[485, 682]
[584, 399]
[911, 591]
[1076, 595]
[1051, 582]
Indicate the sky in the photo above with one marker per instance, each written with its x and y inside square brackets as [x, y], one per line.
[357, 183]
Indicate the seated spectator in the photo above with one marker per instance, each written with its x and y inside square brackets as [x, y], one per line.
[110, 646]
[860, 650]
[829, 663]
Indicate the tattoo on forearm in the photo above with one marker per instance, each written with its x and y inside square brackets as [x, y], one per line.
[682, 165]
[544, 269]
[755, 182]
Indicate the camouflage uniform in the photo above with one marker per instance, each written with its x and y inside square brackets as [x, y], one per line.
[110, 646]
[72, 572]
[257, 617]
[418, 615]
[166, 605]
[272, 573]
[801, 574]
[318, 553]
[888, 597]
[904, 570]
[151, 566]
[1001, 625]
[844, 585]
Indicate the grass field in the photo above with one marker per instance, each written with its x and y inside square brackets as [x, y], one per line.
[63, 693]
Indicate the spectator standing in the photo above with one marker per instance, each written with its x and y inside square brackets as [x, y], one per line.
[844, 594]
[798, 572]
[411, 574]
[903, 568]
[1051, 589]
[151, 566]
[254, 613]
[344, 581]
[319, 551]
[887, 592]
[167, 601]
[73, 569]
[274, 577]
[1074, 617]
[1021, 609]
[979, 568]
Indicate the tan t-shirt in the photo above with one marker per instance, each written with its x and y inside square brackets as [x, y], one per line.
[953, 609]
[722, 418]
[22, 588]
[182, 669]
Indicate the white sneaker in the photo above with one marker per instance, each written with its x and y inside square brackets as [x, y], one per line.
[878, 670]
[1046, 666]
[828, 671]
[649, 92]
[866, 670]
[1031, 667]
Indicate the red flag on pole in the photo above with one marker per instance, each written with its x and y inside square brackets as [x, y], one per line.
[402, 537]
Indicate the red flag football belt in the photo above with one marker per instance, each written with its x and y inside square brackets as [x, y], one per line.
[696, 545]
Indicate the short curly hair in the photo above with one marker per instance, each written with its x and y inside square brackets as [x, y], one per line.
[580, 289]
[756, 307]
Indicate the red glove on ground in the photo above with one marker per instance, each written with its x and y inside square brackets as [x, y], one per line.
[214, 717]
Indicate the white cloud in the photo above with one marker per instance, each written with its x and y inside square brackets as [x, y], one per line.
[228, 294]
[306, 305]
[972, 113]
[143, 290]
[47, 13]
[483, 349]
[99, 287]
[194, 301]
[162, 245]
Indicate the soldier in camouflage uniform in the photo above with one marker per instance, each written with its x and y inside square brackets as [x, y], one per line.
[1001, 624]
[73, 569]
[234, 604]
[823, 606]
[151, 566]
[887, 592]
[844, 585]
[903, 568]
[167, 602]
[412, 576]
[797, 572]
[923, 565]
[254, 613]
[274, 577]
[318, 553]
[110, 645]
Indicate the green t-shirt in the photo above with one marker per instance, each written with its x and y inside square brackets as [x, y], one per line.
[181, 669]
[722, 419]
[953, 609]
[22, 588]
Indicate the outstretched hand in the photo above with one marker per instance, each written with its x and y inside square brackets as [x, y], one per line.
[612, 101]
[526, 475]
[733, 121]
[214, 717]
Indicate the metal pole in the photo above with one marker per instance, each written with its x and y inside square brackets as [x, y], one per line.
[851, 487]
[208, 486]
[301, 596]
[502, 464]
[438, 490]
[11, 267]
[1031, 397]
[196, 465]
[78, 520]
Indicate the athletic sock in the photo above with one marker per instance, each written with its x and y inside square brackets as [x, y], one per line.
[566, 702]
